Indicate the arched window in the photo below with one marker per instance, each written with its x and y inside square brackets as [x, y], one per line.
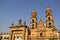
[32, 26]
[33, 16]
[40, 34]
[33, 20]
[48, 13]
[49, 23]
[48, 18]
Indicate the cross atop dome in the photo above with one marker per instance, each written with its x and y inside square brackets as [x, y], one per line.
[48, 8]
[34, 10]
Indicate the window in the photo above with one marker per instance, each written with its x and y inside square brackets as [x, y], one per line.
[5, 37]
[49, 23]
[17, 37]
[50, 34]
[33, 15]
[48, 13]
[32, 26]
[0, 37]
[29, 32]
[48, 18]
[33, 20]
[40, 34]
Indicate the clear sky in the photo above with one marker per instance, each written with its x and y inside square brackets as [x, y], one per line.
[13, 10]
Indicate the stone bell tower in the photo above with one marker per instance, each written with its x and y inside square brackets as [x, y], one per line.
[33, 20]
[49, 18]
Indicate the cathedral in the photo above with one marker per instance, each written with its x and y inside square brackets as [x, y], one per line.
[36, 31]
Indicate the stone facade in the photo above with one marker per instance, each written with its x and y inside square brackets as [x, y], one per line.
[36, 31]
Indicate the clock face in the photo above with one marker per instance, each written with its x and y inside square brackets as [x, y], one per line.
[18, 36]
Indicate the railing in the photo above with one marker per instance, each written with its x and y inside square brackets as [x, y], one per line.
[42, 38]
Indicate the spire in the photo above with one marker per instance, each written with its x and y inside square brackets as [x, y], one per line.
[24, 23]
[19, 22]
[41, 23]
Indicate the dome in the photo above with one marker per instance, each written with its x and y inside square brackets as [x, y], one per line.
[34, 10]
[48, 8]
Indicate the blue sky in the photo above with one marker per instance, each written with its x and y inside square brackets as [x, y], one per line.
[13, 10]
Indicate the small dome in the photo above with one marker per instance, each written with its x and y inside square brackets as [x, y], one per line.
[48, 8]
[34, 10]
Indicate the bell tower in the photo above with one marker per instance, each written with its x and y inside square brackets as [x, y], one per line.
[33, 20]
[49, 18]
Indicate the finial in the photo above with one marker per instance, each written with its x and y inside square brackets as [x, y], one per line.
[12, 24]
[19, 22]
[24, 23]
[33, 10]
[48, 8]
